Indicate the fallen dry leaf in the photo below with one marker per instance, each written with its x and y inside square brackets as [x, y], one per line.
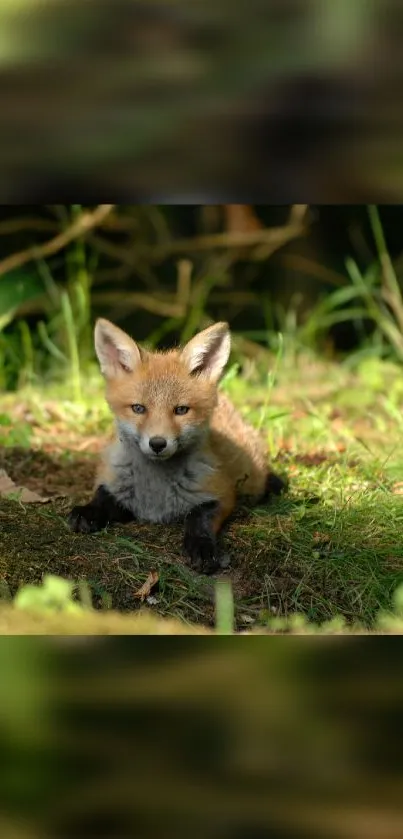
[8, 487]
[398, 488]
[145, 589]
[321, 537]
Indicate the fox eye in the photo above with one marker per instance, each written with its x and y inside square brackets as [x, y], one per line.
[138, 409]
[181, 409]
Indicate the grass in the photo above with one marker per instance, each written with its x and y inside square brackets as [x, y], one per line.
[331, 547]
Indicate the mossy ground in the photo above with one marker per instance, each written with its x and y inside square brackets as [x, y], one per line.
[333, 545]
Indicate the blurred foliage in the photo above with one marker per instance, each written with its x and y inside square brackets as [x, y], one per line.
[107, 737]
[329, 278]
[157, 98]
[62, 606]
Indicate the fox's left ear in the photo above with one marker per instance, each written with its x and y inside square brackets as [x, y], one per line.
[208, 352]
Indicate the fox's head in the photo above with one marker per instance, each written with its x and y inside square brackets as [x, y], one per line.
[163, 401]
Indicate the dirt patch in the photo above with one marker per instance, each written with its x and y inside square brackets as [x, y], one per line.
[282, 557]
[51, 474]
[35, 540]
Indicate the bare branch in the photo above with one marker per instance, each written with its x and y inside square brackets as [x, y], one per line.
[273, 237]
[84, 223]
[184, 282]
[298, 213]
[140, 300]
[269, 240]
[313, 269]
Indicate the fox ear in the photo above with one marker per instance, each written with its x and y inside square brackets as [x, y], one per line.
[117, 352]
[208, 352]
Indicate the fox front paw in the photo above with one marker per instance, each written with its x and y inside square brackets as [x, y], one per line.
[85, 519]
[202, 553]
[275, 485]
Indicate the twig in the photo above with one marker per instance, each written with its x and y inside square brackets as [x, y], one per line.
[269, 238]
[124, 224]
[275, 236]
[184, 282]
[298, 213]
[310, 267]
[169, 306]
[119, 252]
[82, 225]
[142, 301]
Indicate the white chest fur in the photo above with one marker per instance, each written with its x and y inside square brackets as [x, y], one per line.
[158, 491]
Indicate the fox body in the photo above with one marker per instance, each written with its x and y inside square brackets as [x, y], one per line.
[181, 450]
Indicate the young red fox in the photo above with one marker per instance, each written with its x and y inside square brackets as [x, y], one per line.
[181, 450]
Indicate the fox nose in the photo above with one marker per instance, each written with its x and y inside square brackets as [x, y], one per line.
[157, 444]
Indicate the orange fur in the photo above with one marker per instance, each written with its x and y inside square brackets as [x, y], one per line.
[163, 380]
[182, 451]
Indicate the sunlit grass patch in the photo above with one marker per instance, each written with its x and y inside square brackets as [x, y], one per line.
[331, 546]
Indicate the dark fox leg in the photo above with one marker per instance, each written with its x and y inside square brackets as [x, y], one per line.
[200, 541]
[274, 486]
[101, 510]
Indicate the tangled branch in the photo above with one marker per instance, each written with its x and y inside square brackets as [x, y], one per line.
[85, 222]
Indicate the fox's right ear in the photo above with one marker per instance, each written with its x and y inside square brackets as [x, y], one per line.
[117, 352]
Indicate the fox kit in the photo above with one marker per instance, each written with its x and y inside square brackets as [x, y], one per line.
[181, 449]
